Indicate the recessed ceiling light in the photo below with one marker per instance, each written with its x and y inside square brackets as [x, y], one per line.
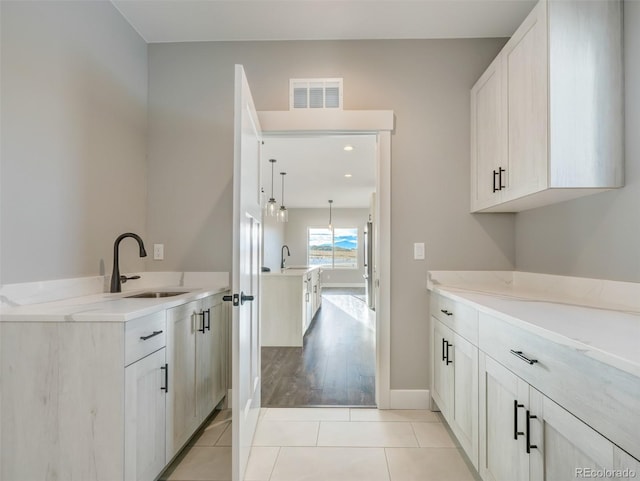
[348, 176]
[348, 148]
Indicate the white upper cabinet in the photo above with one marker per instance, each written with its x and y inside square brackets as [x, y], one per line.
[547, 115]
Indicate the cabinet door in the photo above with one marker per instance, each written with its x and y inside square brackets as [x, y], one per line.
[628, 466]
[205, 359]
[210, 348]
[182, 417]
[442, 390]
[488, 138]
[219, 366]
[565, 447]
[144, 444]
[503, 402]
[464, 409]
[525, 82]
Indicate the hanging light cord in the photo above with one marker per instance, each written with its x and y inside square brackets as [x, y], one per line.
[273, 161]
[283, 174]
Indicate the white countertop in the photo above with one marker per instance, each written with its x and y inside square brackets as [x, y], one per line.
[610, 335]
[298, 271]
[104, 307]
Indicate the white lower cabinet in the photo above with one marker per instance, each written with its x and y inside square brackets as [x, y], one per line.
[144, 443]
[181, 357]
[524, 435]
[492, 396]
[455, 385]
[109, 400]
[502, 410]
[562, 447]
[196, 351]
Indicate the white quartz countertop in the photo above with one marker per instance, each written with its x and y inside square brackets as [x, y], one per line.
[610, 335]
[298, 271]
[104, 307]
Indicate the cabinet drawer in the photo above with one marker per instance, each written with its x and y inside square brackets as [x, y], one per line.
[144, 336]
[602, 396]
[458, 317]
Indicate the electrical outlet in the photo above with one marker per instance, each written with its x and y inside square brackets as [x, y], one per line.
[418, 251]
[158, 252]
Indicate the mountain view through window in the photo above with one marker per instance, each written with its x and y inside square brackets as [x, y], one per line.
[337, 249]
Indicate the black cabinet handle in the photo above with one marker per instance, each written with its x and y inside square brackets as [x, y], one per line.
[516, 405]
[448, 313]
[208, 312]
[444, 358]
[529, 445]
[500, 185]
[202, 328]
[165, 388]
[519, 354]
[155, 333]
[448, 346]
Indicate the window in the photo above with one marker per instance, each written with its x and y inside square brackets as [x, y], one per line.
[337, 249]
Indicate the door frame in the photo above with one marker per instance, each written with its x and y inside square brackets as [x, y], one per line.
[379, 123]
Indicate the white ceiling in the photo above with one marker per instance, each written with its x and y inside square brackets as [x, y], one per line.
[218, 20]
[316, 168]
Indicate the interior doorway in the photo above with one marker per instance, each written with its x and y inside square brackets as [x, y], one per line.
[318, 309]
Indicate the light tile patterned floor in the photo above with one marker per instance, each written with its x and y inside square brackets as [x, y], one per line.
[336, 444]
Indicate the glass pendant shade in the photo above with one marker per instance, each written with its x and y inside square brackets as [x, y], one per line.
[283, 213]
[271, 207]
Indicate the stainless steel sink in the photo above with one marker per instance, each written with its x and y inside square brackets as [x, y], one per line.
[155, 294]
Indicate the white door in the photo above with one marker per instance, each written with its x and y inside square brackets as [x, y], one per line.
[245, 282]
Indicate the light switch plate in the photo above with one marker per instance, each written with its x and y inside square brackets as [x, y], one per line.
[158, 252]
[418, 251]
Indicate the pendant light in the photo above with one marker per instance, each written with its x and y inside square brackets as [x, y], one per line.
[283, 213]
[330, 217]
[270, 206]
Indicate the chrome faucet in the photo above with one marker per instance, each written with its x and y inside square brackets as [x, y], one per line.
[282, 255]
[116, 279]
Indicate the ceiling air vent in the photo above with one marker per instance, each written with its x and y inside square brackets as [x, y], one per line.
[317, 93]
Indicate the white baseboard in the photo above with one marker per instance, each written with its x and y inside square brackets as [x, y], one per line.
[409, 399]
[343, 284]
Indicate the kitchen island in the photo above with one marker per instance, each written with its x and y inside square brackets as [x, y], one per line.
[291, 298]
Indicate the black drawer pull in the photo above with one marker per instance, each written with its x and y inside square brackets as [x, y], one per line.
[444, 357]
[523, 357]
[448, 313]
[155, 333]
[529, 445]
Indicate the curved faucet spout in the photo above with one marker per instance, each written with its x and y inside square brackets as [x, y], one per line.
[282, 255]
[116, 281]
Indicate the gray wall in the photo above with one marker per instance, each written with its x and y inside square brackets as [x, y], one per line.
[296, 238]
[73, 139]
[425, 82]
[596, 236]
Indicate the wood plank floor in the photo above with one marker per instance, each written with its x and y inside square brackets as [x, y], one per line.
[336, 365]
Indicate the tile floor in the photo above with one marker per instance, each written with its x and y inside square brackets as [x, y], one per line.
[330, 444]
